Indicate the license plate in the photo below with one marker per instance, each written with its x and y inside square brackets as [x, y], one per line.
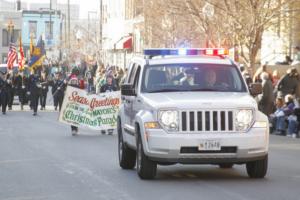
[209, 145]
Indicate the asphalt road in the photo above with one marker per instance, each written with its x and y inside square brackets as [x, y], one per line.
[40, 160]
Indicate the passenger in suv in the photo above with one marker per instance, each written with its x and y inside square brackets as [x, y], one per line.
[190, 109]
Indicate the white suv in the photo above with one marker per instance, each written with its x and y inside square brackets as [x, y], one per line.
[192, 107]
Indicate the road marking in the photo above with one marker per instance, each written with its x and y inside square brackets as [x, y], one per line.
[286, 146]
[30, 197]
[18, 161]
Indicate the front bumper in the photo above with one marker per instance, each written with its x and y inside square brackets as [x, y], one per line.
[243, 147]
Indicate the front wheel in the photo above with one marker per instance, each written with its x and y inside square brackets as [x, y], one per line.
[146, 168]
[258, 168]
[127, 156]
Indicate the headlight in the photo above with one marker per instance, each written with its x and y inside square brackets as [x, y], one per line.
[169, 119]
[243, 119]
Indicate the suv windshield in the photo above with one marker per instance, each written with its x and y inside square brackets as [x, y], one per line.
[192, 77]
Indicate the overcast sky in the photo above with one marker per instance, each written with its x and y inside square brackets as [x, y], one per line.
[85, 5]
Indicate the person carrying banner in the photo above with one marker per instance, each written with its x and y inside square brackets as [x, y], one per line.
[74, 82]
[109, 86]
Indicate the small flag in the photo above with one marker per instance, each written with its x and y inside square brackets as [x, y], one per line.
[38, 54]
[22, 57]
[12, 55]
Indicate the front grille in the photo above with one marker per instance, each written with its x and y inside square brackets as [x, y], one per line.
[188, 150]
[207, 121]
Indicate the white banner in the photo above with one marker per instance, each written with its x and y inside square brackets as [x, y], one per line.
[97, 112]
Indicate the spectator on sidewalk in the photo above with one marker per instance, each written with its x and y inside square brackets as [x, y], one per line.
[266, 99]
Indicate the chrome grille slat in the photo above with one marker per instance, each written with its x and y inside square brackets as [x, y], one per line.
[207, 121]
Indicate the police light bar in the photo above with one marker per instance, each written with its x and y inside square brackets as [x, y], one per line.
[186, 52]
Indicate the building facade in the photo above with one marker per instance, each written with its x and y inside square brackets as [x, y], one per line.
[13, 20]
[117, 39]
[39, 23]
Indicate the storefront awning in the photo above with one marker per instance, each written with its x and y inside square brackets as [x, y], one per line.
[124, 43]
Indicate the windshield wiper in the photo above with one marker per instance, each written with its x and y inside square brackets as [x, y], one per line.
[165, 90]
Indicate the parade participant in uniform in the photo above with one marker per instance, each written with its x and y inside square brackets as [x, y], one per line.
[108, 87]
[59, 93]
[4, 85]
[35, 89]
[11, 90]
[21, 83]
[74, 82]
[53, 85]
[45, 89]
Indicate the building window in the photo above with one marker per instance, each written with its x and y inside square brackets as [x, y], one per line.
[49, 30]
[32, 29]
[5, 39]
[4, 58]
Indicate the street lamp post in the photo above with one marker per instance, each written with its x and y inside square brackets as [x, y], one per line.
[10, 29]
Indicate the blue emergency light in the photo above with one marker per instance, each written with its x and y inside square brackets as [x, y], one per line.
[186, 52]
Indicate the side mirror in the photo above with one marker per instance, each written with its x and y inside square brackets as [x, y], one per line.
[255, 89]
[128, 90]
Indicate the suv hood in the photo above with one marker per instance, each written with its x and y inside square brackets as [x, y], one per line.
[196, 100]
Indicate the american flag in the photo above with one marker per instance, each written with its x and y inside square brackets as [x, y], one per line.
[11, 56]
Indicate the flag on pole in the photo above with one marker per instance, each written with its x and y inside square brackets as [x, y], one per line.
[38, 54]
[12, 54]
[31, 45]
[22, 57]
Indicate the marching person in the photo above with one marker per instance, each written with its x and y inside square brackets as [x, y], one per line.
[35, 89]
[108, 87]
[58, 90]
[74, 82]
[4, 92]
[21, 83]
[53, 85]
[11, 89]
[45, 89]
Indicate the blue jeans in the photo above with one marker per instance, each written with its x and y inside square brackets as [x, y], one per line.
[293, 127]
[280, 123]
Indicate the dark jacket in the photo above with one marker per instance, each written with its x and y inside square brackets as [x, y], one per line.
[34, 85]
[108, 88]
[266, 101]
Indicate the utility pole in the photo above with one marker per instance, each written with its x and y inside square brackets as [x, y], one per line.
[101, 31]
[50, 11]
[69, 26]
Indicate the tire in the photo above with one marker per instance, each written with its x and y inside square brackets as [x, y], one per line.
[257, 169]
[127, 156]
[146, 168]
[226, 165]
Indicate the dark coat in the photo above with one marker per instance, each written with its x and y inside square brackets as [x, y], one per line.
[266, 100]
[287, 85]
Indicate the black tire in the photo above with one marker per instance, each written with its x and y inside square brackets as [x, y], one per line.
[226, 165]
[257, 169]
[146, 168]
[127, 156]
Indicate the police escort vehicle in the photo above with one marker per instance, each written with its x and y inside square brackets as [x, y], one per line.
[190, 106]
